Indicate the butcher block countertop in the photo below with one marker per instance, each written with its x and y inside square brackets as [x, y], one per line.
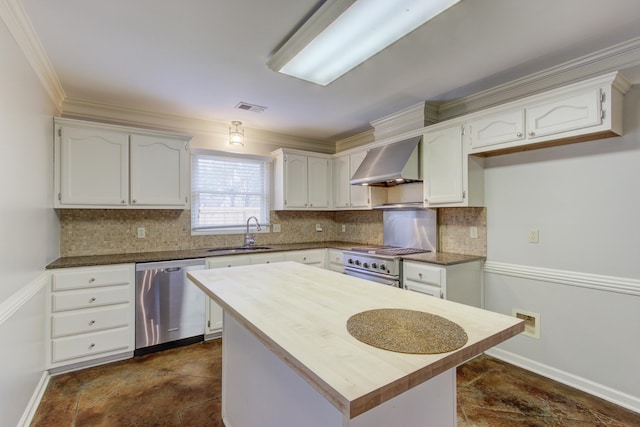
[300, 312]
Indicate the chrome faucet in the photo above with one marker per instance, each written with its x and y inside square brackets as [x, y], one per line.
[250, 239]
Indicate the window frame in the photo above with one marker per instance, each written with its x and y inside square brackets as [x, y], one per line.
[239, 228]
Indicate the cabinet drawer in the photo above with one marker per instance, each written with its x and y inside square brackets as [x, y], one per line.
[85, 298]
[267, 258]
[423, 273]
[90, 277]
[90, 344]
[423, 288]
[228, 261]
[91, 320]
[313, 257]
[336, 257]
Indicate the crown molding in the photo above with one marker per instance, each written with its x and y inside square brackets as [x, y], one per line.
[614, 58]
[20, 27]
[357, 140]
[115, 114]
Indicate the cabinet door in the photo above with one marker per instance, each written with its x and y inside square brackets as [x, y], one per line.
[159, 171]
[295, 181]
[568, 113]
[360, 194]
[443, 163]
[94, 167]
[318, 180]
[215, 313]
[341, 178]
[497, 129]
[314, 257]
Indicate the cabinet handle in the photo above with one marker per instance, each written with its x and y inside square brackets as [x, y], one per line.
[91, 323]
[310, 205]
[123, 202]
[304, 258]
[532, 133]
[519, 134]
[133, 201]
[93, 279]
[420, 275]
[91, 346]
[92, 299]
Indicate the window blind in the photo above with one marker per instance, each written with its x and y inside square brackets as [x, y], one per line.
[226, 189]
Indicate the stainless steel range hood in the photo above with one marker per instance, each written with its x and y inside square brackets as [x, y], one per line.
[390, 165]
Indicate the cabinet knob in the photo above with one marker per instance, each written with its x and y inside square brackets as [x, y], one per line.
[519, 134]
[134, 201]
[91, 323]
[304, 258]
[311, 204]
[91, 346]
[123, 202]
[93, 279]
[92, 299]
[420, 275]
[532, 133]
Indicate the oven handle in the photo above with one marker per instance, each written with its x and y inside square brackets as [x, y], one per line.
[373, 276]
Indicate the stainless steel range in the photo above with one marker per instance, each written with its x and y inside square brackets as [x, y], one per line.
[379, 264]
[404, 232]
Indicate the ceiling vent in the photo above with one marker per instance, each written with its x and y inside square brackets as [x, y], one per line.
[250, 107]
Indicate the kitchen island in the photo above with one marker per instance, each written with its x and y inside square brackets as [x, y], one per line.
[288, 359]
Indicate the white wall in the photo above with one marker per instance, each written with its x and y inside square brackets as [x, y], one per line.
[29, 226]
[585, 201]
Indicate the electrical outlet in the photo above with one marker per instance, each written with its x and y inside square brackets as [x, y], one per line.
[276, 228]
[473, 232]
[344, 228]
[533, 235]
[318, 227]
[141, 233]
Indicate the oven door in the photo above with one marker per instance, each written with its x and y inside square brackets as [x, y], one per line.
[370, 275]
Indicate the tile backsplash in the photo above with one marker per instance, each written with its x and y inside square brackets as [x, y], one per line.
[112, 231]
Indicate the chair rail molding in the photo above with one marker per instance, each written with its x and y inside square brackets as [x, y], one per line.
[620, 285]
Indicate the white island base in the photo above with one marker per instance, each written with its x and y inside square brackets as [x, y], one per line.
[260, 390]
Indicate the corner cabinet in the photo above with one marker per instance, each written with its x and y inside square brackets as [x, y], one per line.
[302, 180]
[451, 178]
[107, 166]
[90, 316]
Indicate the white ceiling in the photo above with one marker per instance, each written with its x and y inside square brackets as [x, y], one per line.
[199, 58]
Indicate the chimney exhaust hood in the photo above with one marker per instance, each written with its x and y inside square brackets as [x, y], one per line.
[391, 164]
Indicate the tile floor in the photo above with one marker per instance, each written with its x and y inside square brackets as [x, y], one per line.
[181, 387]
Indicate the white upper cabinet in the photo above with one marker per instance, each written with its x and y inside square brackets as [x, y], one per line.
[347, 196]
[579, 112]
[157, 171]
[302, 180]
[93, 168]
[443, 162]
[107, 166]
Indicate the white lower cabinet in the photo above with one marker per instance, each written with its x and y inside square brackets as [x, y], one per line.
[458, 282]
[90, 316]
[335, 260]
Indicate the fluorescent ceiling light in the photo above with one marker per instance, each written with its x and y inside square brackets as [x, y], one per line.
[342, 34]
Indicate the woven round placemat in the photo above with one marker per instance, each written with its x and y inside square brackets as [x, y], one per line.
[406, 331]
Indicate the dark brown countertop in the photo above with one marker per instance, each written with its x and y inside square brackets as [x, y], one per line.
[441, 258]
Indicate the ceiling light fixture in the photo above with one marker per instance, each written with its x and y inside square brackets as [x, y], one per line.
[236, 134]
[342, 34]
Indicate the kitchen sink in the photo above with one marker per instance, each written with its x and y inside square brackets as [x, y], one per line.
[238, 249]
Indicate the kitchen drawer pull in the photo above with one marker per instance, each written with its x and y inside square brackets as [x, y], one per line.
[420, 275]
[92, 345]
[93, 279]
[92, 299]
[532, 133]
[91, 323]
[519, 134]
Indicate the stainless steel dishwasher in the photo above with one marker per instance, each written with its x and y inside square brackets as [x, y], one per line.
[170, 309]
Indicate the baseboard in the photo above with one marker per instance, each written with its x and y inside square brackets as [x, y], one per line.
[34, 402]
[614, 396]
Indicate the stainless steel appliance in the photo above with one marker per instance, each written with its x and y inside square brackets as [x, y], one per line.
[405, 232]
[170, 309]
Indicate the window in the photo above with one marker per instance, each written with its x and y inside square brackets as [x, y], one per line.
[226, 189]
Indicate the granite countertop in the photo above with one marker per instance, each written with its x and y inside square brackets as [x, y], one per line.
[441, 258]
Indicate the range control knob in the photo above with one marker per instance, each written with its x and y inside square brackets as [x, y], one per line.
[365, 265]
[357, 262]
[383, 266]
[374, 265]
[350, 261]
